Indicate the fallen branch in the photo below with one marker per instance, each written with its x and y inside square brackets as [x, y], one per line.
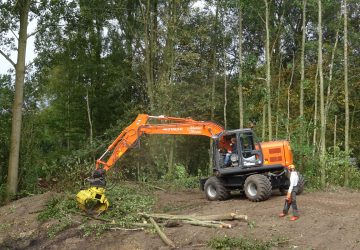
[188, 220]
[214, 224]
[126, 229]
[221, 217]
[161, 233]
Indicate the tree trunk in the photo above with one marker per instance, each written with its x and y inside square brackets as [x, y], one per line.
[240, 88]
[302, 80]
[214, 67]
[89, 116]
[263, 133]
[288, 99]
[13, 170]
[335, 124]
[328, 95]
[302, 70]
[148, 42]
[268, 72]
[322, 109]
[225, 78]
[315, 109]
[346, 90]
[278, 100]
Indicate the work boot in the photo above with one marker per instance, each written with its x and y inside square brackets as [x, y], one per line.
[293, 218]
[282, 215]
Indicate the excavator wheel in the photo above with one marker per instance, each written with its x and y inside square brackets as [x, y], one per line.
[257, 187]
[92, 200]
[215, 190]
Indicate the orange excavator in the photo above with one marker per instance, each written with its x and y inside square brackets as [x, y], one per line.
[252, 167]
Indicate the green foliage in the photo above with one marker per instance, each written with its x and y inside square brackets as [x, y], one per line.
[59, 227]
[58, 208]
[336, 162]
[127, 201]
[180, 179]
[90, 229]
[239, 243]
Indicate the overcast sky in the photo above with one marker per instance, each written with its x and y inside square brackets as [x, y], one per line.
[5, 65]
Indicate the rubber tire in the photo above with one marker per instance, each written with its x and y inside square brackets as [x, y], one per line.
[257, 188]
[301, 184]
[215, 190]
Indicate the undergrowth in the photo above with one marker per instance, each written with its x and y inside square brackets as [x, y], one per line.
[243, 243]
[125, 203]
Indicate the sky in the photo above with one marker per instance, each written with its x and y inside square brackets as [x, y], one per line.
[5, 65]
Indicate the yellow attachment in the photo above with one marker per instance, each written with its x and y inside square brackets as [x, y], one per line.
[92, 200]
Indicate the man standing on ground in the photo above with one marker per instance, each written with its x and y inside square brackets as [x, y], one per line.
[291, 195]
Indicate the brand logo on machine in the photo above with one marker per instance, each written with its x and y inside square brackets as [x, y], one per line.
[195, 130]
[172, 129]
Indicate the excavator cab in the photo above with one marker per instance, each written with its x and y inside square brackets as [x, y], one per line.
[236, 149]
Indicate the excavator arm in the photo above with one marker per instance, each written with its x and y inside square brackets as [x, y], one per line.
[163, 125]
[93, 200]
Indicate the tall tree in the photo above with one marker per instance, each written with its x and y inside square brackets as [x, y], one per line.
[268, 68]
[302, 64]
[22, 8]
[346, 91]
[322, 107]
[224, 65]
[240, 52]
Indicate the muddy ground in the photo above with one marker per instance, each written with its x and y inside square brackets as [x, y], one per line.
[329, 220]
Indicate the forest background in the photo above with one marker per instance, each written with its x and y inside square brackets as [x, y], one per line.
[290, 67]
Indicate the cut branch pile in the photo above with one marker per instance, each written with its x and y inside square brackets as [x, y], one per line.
[168, 220]
[200, 220]
[215, 221]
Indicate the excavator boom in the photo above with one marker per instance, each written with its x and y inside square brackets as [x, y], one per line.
[168, 125]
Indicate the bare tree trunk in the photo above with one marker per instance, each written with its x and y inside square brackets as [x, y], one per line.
[264, 122]
[13, 170]
[268, 67]
[240, 89]
[225, 79]
[288, 99]
[214, 67]
[335, 123]
[148, 42]
[225, 93]
[315, 109]
[278, 100]
[89, 116]
[346, 90]
[171, 169]
[322, 109]
[328, 95]
[302, 80]
[302, 70]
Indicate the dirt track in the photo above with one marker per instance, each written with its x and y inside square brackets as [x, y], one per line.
[329, 220]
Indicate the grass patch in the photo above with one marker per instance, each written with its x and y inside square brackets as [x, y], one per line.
[243, 243]
[58, 208]
[125, 202]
